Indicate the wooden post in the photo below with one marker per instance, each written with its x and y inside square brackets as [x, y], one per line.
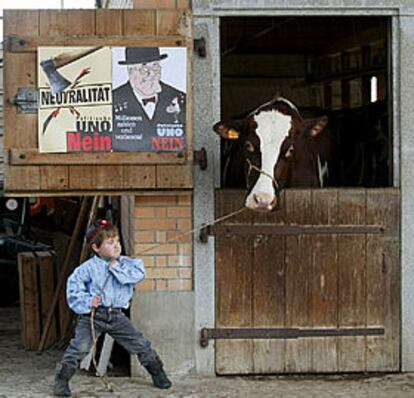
[83, 257]
[36, 284]
[45, 263]
[29, 303]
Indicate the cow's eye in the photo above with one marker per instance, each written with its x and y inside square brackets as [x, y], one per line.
[249, 146]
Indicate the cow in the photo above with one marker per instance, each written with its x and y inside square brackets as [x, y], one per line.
[278, 148]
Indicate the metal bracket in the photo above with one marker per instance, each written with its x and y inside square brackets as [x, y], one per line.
[207, 334]
[293, 229]
[25, 100]
[200, 157]
[15, 43]
[200, 47]
[204, 233]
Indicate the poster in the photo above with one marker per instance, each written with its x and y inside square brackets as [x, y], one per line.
[75, 99]
[149, 98]
[107, 99]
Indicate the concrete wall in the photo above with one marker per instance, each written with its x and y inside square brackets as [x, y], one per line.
[167, 319]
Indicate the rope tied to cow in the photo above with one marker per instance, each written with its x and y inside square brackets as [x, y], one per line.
[261, 171]
[102, 377]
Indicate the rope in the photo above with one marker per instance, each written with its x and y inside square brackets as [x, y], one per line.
[254, 167]
[217, 220]
[102, 377]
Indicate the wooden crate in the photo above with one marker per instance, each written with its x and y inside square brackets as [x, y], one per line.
[36, 287]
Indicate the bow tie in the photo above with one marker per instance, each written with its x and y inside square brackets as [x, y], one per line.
[145, 101]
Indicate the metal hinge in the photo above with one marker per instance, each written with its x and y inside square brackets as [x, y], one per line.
[285, 229]
[25, 100]
[200, 47]
[207, 334]
[200, 157]
[15, 43]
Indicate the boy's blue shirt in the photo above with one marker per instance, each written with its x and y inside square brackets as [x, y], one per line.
[87, 281]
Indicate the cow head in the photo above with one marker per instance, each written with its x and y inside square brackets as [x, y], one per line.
[272, 138]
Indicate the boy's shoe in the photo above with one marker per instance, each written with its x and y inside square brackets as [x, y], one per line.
[159, 378]
[62, 377]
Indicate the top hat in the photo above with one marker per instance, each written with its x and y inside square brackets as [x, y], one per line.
[139, 55]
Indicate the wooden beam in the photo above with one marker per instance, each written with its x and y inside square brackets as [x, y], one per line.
[29, 44]
[34, 157]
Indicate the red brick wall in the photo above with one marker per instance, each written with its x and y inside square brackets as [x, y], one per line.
[157, 220]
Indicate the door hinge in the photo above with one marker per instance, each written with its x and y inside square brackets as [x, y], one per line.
[200, 47]
[15, 43]
[25, 100]
[200, 157]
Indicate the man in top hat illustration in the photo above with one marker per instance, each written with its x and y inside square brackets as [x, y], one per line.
[147, 110]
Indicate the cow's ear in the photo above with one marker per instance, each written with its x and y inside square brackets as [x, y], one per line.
[318, 126]
[226, 131]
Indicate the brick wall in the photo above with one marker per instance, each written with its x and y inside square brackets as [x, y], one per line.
[157, 221]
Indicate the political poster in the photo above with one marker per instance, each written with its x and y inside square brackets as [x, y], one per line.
[112, 99]
[149, 98]
[75, 99]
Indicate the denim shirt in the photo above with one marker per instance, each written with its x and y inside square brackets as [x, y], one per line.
[89, 278]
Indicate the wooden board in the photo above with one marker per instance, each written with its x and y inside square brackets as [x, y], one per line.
[29, 302]
[28, 172]
[324, 281]
[234, 300]
[36, 287]
[298, 289]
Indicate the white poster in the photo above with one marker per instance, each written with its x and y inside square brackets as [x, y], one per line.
[149, 98]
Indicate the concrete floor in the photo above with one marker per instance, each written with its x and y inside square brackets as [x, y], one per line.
[27, 375]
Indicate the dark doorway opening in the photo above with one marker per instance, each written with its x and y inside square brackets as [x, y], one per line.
[337, 66]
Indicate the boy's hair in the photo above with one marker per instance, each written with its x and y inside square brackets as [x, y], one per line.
[99, 231]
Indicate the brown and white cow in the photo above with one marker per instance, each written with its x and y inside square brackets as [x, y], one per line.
[279, 149]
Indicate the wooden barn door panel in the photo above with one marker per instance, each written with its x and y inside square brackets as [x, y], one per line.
[298, 288]
[383, 280]
[269, 295]
[28, 172]
[233, 290]
[352, 281]
[323, 281]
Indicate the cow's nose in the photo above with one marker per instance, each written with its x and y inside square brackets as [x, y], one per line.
[264, 201]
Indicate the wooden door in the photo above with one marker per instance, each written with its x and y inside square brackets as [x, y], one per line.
[340, 280]
[28, 172]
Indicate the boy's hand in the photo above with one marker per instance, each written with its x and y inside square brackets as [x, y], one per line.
[96, 301]
[113, 262]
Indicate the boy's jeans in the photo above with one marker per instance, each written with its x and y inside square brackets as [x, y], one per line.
[116, 324]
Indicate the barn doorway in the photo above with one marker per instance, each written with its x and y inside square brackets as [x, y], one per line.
[341, 284]
[41, 241]
[336, 66]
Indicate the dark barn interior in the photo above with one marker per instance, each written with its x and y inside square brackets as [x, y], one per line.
[334, 66]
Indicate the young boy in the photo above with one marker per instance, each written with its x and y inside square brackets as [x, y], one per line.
[105, 283]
